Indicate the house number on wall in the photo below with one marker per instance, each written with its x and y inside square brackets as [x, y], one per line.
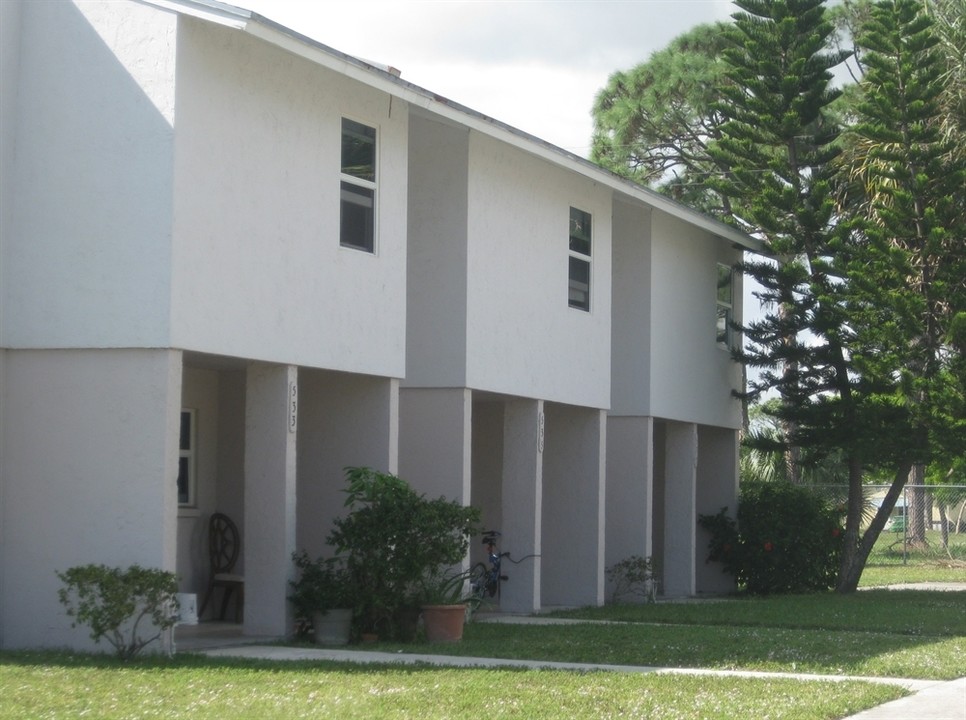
[293, 406]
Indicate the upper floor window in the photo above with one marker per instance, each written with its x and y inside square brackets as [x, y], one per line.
[725, 303]
[187, 492]
[358, 191]
[580, 247]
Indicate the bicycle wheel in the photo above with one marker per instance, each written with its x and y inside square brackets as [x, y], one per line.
[479, 574]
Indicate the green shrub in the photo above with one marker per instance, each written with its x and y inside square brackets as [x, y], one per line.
[634, 577]
[323, 584]
[394, 541]
[786, 539]
[113, 602]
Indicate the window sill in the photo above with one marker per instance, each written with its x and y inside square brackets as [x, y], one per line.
[188, 512]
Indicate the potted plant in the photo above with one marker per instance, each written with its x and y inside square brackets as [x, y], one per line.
[324, 595]
[444, 606]
[393, 539]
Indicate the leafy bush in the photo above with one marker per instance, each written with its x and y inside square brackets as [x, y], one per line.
[112, 600]
[786, 539]
[323, 584]
[394, 541]
[634, 577]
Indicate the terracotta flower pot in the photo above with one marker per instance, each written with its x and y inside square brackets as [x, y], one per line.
[444, 623]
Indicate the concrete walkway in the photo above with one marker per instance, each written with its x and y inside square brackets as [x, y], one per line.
[931, 699]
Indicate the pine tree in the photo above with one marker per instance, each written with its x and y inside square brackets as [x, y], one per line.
[777, 152]
[862, 339]
[905, 255]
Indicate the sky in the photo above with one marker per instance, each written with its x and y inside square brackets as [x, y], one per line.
[533, 64]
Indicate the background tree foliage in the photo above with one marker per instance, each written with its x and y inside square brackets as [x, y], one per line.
[903, 190]
[860, 200]
[654, 123]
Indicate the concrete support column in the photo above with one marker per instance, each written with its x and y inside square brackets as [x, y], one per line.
[573, 506]
[717, 487]
[522, 511]
[680, 509]
[435, 438]
[270, 456]
[630, 488]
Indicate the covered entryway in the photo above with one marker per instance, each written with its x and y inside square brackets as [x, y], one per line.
[662, 475]
[266, 444]
[534, 469]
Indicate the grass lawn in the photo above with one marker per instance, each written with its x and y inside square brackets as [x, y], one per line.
[49, 685]
[910, 634]
[877, 633]
[890, 563]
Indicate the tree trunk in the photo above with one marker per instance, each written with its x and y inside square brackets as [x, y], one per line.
[916, 508]
[793, 464]
[944, 526]
[856, 551]
[793, 454]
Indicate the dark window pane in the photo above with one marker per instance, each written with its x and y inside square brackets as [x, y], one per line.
[579, 284]
[579, 231]
[724, 284]
[358, 150]
[358, 217]
[184, 496]
[185, 443]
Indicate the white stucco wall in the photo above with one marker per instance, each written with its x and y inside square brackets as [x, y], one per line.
[632, 340]
[523, 338]
[258, 269]
[9, 84]
[87, 186]
[90, 443]
[435, 441]
[691, 377]
[436, 288]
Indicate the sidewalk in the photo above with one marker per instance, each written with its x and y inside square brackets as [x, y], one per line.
[932, 699]
[940, 701]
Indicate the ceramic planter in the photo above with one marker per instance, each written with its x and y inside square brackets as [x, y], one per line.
[444, 623]
[332, 627]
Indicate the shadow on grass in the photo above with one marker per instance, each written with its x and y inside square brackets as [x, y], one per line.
[767, 649]
[899, 612]
[67, 659]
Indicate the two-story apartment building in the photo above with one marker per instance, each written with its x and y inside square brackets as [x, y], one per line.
[234, 261]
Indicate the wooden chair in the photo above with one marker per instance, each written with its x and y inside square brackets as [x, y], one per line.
[224, 546]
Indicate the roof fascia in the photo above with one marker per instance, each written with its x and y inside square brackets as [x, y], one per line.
[381, 78]
[209, 10]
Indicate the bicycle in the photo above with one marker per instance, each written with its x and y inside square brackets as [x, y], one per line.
[485, 581]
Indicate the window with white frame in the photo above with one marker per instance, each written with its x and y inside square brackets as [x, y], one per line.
[358, 187]
[580, 248]
[725, 304]
[187, 491]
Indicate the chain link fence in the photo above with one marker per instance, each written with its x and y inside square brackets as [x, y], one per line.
[927, 522]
